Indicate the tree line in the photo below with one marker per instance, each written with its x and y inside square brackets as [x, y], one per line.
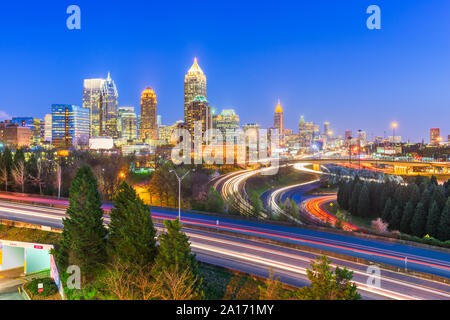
[43, 172]
[420, 207]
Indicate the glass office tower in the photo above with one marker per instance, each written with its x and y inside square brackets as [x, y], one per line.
[70, 126]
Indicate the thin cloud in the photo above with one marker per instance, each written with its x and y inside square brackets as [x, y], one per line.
[4, 115]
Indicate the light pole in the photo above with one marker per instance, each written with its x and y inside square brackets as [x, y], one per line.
[58, 174]
[179, 190]
[349, 150]
[359, 148]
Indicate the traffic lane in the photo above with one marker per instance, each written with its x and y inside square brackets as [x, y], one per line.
[238, 240]
[308, 234]
[298, 194]
[272, 256]
[311, 242]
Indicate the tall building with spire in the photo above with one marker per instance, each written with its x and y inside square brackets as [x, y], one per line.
[278, 119]
[100, 96]
[194, 85]
[148, 129]
[110, 108]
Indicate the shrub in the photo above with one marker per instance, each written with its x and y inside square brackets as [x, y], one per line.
[49, 287]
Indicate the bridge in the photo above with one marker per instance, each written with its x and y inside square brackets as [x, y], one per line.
[397, 167]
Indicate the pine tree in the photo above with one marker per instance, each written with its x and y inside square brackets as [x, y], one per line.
[438, 196]
[131, 231]
[444, 224]
[84, 235]
[257, 204]
[413, 193]
[396, 217]
[419, 221]
[214, 202]
[433, 219]
[328, 285]
[364, 202]
[387, 211]
[408, 214]
[434, 180]
[354, 201]
[175, 252]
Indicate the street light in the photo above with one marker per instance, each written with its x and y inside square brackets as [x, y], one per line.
[58, 173]
[179, 190]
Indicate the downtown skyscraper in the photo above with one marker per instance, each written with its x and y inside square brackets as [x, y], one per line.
[278, 119]
[148, 128]
[194, 86]
[100, 96]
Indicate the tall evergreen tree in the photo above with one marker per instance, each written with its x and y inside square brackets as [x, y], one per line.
[433, 219]
[447, 188]
[354, 201]
[175, 252]
[364, 202]
[438, 196]
[408, 214]
[413, 193]
[84, 235]
[419, 221]
[444, 224]
[131, 231]
[434, 181]
[387, 211]
[396, 217]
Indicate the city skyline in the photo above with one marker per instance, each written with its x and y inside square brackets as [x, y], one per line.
[353, 77]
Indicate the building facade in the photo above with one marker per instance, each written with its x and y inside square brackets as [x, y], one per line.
[70, 126]
[194, 85]
[48, 128]
[148, 128]
[278, 120]
[100, 96]
[435, 136]
[198, 113]
[35, 127]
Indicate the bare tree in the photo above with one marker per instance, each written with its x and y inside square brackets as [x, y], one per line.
[146, 286]
[37, 179]
[119, 281]
[18, 174]
[176, 285]
[4, 177]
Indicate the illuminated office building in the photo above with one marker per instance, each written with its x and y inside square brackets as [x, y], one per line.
[435, 136]
[226, 120]
[48, 128]
[100, 96]
[70, 126]
[198, 112]
[109, 108]
[148, 128]
[194, 85]
[35, 128]
[127, 123]
[278, 119]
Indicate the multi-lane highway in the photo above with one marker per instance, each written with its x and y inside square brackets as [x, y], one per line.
[256, 256]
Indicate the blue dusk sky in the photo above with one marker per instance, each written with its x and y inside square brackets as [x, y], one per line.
[317, 56]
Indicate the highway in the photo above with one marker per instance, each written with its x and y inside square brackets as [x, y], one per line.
[256, 256]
